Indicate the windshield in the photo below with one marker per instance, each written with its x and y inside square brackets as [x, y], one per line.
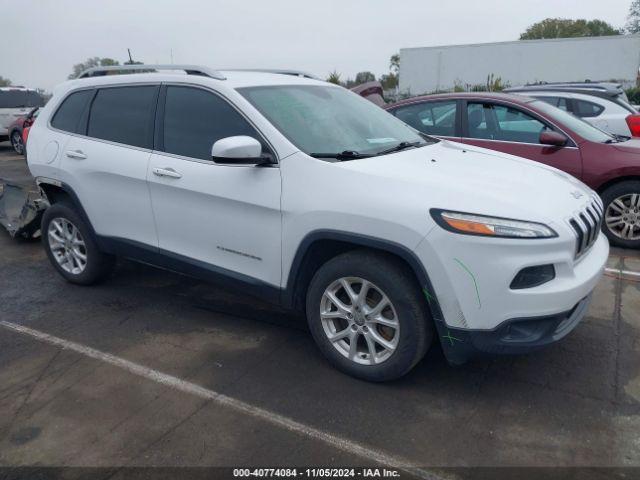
[20, 99]
[329, 119]
[582, 128]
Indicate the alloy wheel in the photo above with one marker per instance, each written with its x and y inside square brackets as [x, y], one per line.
[359, 320]
[623, 216]
[67, 245]
[16, 143]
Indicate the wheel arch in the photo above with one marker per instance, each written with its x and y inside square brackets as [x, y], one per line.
[319, 246]
[615, 181]
[56, 191]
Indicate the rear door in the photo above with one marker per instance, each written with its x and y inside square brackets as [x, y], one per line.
[439, 118]
[106, 164]
[510, 129]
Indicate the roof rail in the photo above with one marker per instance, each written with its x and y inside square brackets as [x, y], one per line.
[295, 73]
[120, 69]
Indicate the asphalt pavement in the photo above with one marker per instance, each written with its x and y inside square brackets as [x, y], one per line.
[156, 369]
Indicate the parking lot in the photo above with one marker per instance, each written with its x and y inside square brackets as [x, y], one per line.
[156, 369]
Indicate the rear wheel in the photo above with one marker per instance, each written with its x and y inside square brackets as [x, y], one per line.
[71, 247]
[622, 214]
[367, 316]
[16, 142]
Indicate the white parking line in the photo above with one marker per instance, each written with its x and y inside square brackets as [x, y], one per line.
[341, 443]
[627, 273]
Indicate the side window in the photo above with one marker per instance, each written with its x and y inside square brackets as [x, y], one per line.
[124, 115]
[499, 122]
[586, 109]
[480, 121]
[195, 119]
[433, 118]
[559, 102]
[68, 115]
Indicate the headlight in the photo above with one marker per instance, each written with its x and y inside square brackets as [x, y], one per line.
[472, 224]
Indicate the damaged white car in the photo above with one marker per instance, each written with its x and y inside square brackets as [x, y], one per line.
[305, 194]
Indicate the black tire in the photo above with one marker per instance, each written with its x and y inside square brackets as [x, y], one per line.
[399, 285]
[627, 187]
[16, 142]
[98, 264]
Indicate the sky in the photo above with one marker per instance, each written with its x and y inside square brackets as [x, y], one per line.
[42, 39]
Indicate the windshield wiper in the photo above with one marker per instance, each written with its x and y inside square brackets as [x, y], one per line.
[617, 138]
[401, 146]
[345, 155]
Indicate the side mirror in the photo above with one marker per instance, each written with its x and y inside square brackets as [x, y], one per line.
[556, 139]
[239, 150]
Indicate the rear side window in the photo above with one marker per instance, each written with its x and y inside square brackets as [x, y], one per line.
[124, 115]
[68, 116]
[433, 118]
[195, 119]
[586, 109]
[559, 102]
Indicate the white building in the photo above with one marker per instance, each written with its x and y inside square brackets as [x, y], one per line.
[427, 69]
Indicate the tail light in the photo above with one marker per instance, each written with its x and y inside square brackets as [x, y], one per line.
[633, 121]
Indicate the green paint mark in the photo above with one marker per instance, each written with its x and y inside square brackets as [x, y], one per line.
[451, 338]
[473, 278]
[428, 295]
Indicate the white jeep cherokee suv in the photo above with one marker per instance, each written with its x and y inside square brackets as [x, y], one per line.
[303, 193]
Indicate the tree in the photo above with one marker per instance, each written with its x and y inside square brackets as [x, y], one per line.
[334, 77]
[565, 28]
[364, 77]
[394, 63]
[5, 82]
[90, 63]
[389, 81]
[633, 19]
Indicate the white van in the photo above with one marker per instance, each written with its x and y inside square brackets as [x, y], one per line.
[16, 102]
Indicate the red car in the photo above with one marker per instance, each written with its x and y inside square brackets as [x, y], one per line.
[19, 127]
[534, 129]
[26, 126]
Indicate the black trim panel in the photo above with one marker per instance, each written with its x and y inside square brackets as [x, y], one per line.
[165, 259]
[290, 293]
[512, 337]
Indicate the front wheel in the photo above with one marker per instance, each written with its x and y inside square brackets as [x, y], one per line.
[367, 316]
[622, 214]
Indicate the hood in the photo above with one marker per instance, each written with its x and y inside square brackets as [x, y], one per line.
[460, 177]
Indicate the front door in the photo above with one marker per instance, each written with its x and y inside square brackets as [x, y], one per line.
[511, 130]
[221, 217]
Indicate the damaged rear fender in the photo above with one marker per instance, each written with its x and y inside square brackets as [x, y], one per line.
[56, 191]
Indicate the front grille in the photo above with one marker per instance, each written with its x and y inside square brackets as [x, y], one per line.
[586, 225]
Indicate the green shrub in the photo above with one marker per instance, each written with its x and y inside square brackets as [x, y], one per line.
[634, 95]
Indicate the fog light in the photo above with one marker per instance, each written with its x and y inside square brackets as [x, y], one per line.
[533, 276]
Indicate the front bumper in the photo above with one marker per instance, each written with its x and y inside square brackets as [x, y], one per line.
[516, 336]
[475, 309]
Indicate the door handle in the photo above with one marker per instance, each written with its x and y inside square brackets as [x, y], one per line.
[166, 172]
[77, 154]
